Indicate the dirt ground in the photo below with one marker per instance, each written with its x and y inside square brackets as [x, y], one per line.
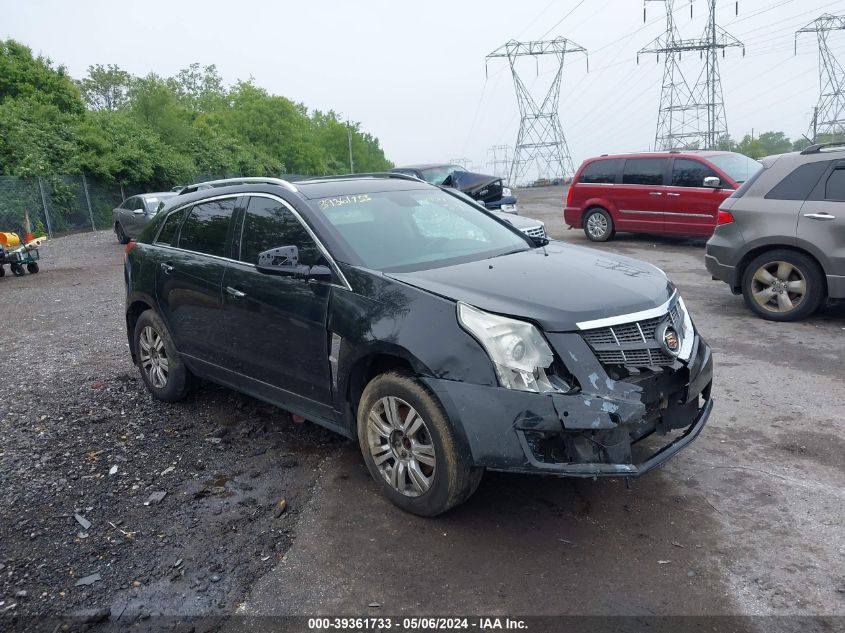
[747, 521]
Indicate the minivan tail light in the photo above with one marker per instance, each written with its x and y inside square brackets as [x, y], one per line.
[569, 194]
[129, 246]
[725, 217]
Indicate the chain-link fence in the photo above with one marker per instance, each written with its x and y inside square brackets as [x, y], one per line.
[61, 204]
[57, 204]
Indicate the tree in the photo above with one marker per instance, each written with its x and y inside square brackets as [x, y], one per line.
[105, 87]
[25, 76]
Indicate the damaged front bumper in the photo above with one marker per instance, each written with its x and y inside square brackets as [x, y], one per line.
[592, 432]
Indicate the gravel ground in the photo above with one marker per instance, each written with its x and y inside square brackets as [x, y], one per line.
[84, 447]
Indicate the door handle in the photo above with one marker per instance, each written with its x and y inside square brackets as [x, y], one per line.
[235, 293]
[674, 195]
[167, 268]
[655, 193]
[819, 216]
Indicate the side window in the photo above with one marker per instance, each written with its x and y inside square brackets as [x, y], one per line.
[269, 224]
[168, 231]
[643, 171]
[834, 188]
[799, 183]
[690, 173]
[206, 227]
[129, 204]
[600, 171]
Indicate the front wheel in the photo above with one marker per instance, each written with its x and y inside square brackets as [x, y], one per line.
[598, 225]
[162, 369]
[783, 285]
[410, 448]
[32, 267]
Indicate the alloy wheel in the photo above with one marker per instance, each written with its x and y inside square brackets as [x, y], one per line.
[401, 446]
[597, 225]
[153, 357]
[778, 286]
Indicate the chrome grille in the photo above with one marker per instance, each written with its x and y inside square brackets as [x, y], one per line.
[633, 343]
[536, 231]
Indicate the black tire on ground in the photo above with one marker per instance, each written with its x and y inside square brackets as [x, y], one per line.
[598, 225]
[454, 478]
[777, 279]
[32, 267]
[2, 271]
[17, 270]
[150, 329]
[121, 234]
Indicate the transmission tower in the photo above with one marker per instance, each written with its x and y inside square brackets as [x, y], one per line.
[829, 117]
[691, 114]
[540, 137]
[500, 161]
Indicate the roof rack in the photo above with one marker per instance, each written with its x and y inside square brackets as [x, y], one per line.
[226, 182]
[815, 149]
[372, 174]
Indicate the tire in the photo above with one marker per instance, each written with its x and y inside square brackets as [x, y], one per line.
[32, 267]
[153, 344]
[431, 450]
[17, 270]
[121, 234]
[2, 271]
[783, 285]
[598, 225]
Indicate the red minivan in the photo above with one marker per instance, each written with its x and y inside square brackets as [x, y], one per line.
[672, 193]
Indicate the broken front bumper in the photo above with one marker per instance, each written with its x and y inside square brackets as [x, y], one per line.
[591, 433]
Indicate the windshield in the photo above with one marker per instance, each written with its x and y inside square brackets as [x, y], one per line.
[737, 166]
[437, 175]
[413, 230]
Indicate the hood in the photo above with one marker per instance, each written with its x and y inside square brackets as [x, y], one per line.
[518, 221]
[556, 286]
[479, 186]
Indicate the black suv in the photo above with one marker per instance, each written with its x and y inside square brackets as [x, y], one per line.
[444, 339]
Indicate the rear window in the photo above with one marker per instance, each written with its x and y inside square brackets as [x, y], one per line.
[600, 171]
[643, 171]
[799, 183]
[834, 188]
[168, 231]
[205, 229]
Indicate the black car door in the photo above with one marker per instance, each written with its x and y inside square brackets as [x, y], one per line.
[277, 323]
[189, 278]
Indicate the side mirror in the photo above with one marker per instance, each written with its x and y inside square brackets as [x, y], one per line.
[712, 181]
[283, 260]
[138, 211]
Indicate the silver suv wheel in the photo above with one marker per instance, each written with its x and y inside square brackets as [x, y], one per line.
[778, 286]
[153, 357]
[401, 446]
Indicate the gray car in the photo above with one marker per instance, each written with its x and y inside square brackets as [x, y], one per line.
[780, 239]
[135, 213]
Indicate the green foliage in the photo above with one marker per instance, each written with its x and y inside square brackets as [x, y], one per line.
[105, 87]
[155, 132]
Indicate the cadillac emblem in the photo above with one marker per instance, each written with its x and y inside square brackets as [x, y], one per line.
[669, 339]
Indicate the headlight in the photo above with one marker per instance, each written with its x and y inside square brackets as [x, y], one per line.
[506, 191]
[519, 352]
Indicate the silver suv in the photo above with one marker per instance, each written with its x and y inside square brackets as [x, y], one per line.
[780, 239]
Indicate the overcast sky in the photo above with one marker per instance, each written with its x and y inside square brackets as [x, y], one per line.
[413, 74]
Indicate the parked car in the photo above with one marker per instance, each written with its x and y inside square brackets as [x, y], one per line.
[781, 236]
[671, 193]
[489, 190]
[531, 227]
[439, 336]
[135, 213]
